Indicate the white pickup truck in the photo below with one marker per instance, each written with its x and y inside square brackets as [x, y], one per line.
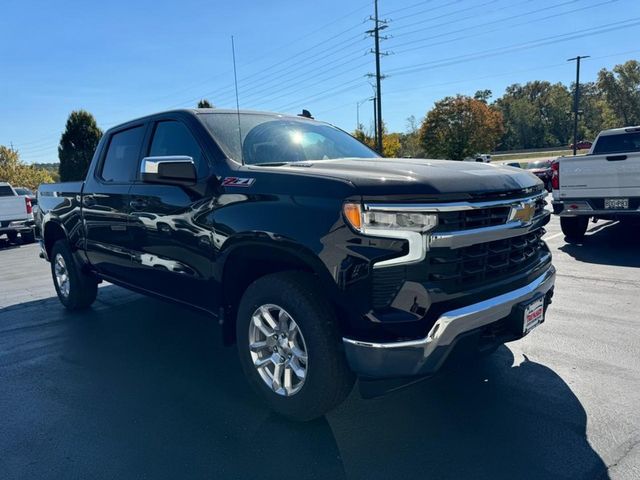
[604, 184]
[16, 215]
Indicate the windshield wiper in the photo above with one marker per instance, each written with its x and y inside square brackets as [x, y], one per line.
[271, 164]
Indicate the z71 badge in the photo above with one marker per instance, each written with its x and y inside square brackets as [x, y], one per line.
[237, 182]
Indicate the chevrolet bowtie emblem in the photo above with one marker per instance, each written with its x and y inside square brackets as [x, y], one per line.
[522, 212]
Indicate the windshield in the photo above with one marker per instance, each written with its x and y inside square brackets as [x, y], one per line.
[622, 143]
[541, 164]
[23, 191]
[276, 139]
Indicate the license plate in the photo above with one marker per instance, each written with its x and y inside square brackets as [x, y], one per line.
[533, 315]
[616, 203]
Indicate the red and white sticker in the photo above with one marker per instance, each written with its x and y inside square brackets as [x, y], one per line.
[533, 315]
[238, 182]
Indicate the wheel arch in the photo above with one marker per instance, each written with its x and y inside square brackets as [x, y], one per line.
[53, 231]
[247, 261]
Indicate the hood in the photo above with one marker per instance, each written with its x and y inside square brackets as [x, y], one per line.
[417, 177]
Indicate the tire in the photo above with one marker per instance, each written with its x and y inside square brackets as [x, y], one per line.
[327, 378]
[12, 236]
[28, 237]
[574, 228]
[80, 289]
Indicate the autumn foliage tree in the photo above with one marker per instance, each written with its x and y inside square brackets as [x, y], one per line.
[77, 145]
[460, 126]
[18, 174]
[391, 142]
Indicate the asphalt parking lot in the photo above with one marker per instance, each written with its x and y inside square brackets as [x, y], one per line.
[138, 388]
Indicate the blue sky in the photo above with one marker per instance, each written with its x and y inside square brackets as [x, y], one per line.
[123, 59]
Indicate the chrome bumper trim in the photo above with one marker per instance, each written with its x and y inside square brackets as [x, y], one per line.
[413, 357]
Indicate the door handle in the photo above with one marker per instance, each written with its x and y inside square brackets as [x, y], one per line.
[614, 158]
[138, 204]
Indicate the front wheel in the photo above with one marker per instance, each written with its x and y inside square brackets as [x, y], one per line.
[76, 289]
[289, 346]
[574, 228]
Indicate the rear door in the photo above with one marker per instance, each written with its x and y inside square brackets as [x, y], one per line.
[105, 203]
[172, 238]
[611, 170]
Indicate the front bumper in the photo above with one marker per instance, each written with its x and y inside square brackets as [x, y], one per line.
[426, 355]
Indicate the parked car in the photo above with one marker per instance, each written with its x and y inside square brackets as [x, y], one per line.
[479, 157]
[16, 215]
[319, 258]
[27, 192]
[582, 145]
[604, 184]
[542, 170]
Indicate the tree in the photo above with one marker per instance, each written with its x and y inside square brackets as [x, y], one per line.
[204, 103]
[460, 126]
[535, 115]
[18, 174]
[596, 114]
[621, 90]
[483, 95]
[391, 144]
[77, 145]
[410, 140]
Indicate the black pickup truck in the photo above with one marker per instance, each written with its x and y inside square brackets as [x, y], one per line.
[321, 260]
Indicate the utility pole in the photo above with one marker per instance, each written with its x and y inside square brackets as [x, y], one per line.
[358, 110]
[375, 124]
[576, 99]
[375, 32]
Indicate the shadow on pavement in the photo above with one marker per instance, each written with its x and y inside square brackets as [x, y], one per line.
[137, 388]
[608, 243]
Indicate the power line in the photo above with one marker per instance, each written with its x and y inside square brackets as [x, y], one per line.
[486, 31]
[517, 47]
[444, 15]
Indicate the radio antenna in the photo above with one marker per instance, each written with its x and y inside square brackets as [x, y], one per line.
[235, 78]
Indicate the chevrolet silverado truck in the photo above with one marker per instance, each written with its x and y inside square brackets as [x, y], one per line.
[604, 184]
[322, 261]
[16, 215]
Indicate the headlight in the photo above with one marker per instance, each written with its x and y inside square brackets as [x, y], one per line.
[370, 221]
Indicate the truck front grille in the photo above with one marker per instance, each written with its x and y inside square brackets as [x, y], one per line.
[454, 269]
[458, 220]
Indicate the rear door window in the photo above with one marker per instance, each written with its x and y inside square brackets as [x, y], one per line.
[174, 138]
[6, 191]
[122, 156]
[622, 143]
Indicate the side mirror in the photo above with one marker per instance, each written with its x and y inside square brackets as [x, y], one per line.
[170, 170]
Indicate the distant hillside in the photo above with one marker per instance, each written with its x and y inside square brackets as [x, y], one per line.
[52, 168]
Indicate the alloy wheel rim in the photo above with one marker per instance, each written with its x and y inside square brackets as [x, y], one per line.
[62, 275]
[278, 350]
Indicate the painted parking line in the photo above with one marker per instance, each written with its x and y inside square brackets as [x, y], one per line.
[551, 237]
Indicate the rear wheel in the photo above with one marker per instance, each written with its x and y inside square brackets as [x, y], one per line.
[28, 237]
[75, 288]
[289, 346]
[574, 228]
[12, 236]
